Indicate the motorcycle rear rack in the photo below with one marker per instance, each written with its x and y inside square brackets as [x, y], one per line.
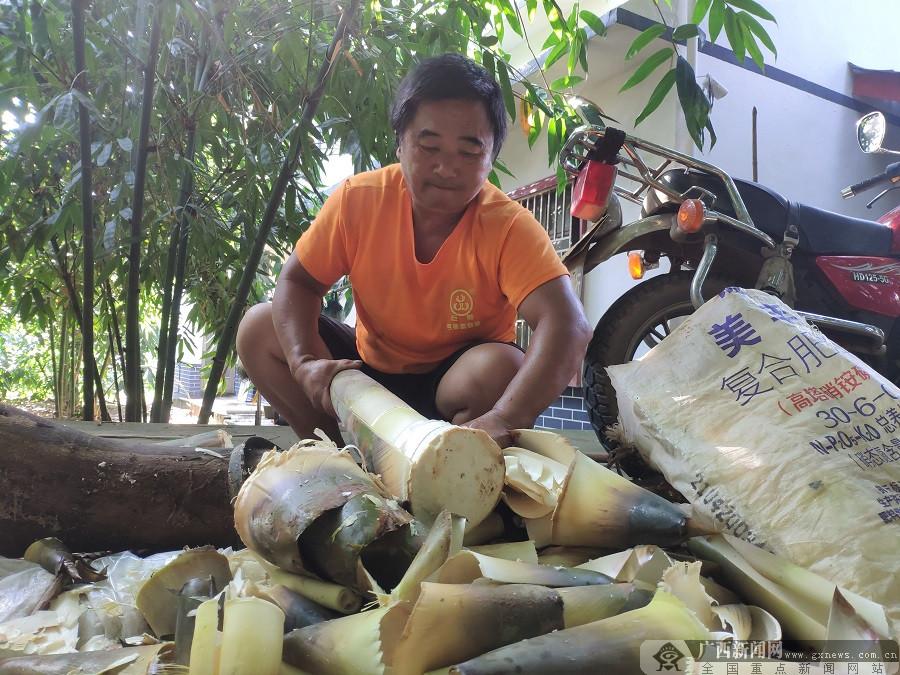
[583, 138]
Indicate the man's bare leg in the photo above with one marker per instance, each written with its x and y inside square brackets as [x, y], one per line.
[262, 358]
[477, 380]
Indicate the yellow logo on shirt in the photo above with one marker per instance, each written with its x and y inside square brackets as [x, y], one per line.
[461, 311]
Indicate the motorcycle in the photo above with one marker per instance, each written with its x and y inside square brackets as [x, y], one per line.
[840, 273]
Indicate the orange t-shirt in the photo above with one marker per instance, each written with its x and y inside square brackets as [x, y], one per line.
[410, 315]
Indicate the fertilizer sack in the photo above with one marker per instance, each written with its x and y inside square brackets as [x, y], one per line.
[778, 435]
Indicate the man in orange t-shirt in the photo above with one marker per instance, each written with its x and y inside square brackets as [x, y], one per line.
[440, 262]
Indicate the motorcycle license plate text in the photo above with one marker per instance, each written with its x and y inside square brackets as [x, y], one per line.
[869, 284]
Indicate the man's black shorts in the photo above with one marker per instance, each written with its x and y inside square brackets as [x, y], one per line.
[418, 390]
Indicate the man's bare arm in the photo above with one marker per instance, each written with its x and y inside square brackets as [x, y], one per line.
[295, 312]
[560, 334]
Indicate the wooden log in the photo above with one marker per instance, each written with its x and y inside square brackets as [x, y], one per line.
[100, 494]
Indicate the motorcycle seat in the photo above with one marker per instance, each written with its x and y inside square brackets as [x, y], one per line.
[821, 232]
[827, 233]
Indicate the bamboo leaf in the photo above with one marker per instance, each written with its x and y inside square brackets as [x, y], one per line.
[716, 19]
[754, 8]
[531, 6]
[645, 38]
[556, 53]
[756, 28]
[658, 96]
[685, 32]
[652, 63]
[750, 44]
[592, 21]
[700, 10]
[489, 40]
[551, 41]
[566, 81]
[735, 34]
[509, 98]
[693, 101]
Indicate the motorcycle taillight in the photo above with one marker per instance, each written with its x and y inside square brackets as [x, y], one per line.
[592, 190]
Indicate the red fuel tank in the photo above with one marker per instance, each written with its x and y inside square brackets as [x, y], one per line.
[869, 284]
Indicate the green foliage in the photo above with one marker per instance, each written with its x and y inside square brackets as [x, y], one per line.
[237, 74]
[739, 19]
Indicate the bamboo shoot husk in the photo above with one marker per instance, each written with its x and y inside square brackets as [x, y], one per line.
[533, 482]
[431, 464]
[444, 540]
[360, 644]
[810, 585]
[611, 645]
[794, 612]
[455, 622]
[568, 556]
[467, 566]
[294, 504]
[523, 551]
[157, 598]
[598, 507]
[124, 661]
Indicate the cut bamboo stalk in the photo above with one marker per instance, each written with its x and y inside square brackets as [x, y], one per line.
[598, 507]
[333, 596]
[455, 622]
[585, 604]
[207, 638]
[252, 631]
[431, 464]
[299, 611]
[610, 645]
[360, 644]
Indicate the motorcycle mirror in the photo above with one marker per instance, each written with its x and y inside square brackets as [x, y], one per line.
[870, 130]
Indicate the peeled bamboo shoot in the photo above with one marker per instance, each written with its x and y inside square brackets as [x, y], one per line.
[431, 464]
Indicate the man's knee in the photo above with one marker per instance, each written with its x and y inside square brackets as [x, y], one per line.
[255, 331]
[479, 377]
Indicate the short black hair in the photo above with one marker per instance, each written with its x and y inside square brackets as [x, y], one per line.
[449, 76]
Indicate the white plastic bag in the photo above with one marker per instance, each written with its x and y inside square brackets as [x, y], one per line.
[777, 434]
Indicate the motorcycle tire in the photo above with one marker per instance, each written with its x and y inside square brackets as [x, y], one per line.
[630, 321]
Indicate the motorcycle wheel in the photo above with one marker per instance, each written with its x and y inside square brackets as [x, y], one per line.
[635, 323]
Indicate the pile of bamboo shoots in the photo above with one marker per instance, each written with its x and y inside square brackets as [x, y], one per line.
[357, 562]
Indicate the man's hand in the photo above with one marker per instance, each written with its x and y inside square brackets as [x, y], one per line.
[315, 376]
[497, 427]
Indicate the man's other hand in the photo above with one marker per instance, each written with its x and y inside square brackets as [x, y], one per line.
[497, 427]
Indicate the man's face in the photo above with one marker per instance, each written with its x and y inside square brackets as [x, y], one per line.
[445, 155]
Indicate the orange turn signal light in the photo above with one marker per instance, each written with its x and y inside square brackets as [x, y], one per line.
[691, 216]
[636, 265]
